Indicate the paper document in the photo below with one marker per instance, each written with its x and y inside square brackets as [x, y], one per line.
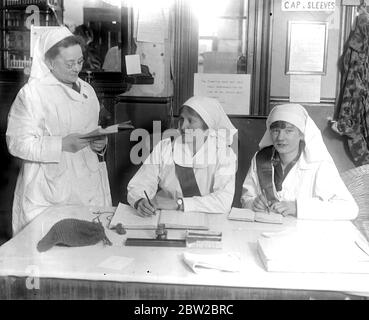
[244, 214]
[133, 64]
[305, 88]
[152, 26]
[172, 219]
[224, 261]
[231, 90]
[100, 132]
[115, 263]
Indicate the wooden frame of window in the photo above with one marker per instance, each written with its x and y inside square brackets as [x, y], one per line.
[256, 47]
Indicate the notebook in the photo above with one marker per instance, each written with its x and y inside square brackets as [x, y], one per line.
[100, 132]
[245, 214]
[172, 219]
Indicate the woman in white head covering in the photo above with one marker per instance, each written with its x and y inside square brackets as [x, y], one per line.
[45, 123]
[293, 173]
[195, 169]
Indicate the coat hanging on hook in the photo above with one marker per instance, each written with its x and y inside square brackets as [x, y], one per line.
[353, 105]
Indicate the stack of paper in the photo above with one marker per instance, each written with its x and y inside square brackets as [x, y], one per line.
[245, 214]
[224, 261]
[336, 247]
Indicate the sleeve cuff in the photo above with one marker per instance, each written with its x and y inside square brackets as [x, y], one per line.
[188, 205]
[51, 148]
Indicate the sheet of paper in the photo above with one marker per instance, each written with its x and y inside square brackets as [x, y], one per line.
[305, 88]
[152, 26]
[115, 263]
[308, 5]
[307, 47]
[231, 90]
[133, 64]
[229, 261]
[128, 217]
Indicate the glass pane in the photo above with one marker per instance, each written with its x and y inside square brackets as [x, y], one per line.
[98, 23]
[221, 34]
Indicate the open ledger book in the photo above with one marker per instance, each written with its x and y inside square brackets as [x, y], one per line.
[245, 214]
[100, 132]
[172, 219]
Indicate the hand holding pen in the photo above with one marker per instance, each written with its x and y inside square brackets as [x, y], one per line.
[145, 207]
[261, 203]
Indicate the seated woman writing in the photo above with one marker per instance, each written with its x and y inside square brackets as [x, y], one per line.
[293, 173]
[193, 172]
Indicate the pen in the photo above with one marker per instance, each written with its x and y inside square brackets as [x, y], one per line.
[147, 197]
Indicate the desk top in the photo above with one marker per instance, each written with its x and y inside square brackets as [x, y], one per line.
[162, 265]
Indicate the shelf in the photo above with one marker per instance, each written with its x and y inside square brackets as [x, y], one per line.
[40, 4]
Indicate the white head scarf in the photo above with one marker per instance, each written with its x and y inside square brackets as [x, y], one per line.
[220, 127]
[43, 43]
[315, 149]
[211, 111]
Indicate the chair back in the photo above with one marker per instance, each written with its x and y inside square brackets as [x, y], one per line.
[357, 182]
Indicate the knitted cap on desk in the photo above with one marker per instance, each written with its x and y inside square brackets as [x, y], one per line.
[73, 233]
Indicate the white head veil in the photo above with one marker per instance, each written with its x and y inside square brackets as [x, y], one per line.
[315, 149]
[43, 43]
[211, 111]
[219, 125]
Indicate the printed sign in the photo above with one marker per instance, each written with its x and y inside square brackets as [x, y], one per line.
[305, 5]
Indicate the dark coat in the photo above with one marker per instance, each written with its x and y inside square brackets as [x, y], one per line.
[353, 106]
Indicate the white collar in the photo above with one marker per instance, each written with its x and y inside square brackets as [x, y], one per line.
[204, 157]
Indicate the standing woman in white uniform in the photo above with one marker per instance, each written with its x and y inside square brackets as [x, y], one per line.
[194, 171]
[293, 173]
[46, 120]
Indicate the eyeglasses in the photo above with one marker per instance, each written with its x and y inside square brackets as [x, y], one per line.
[71, 65]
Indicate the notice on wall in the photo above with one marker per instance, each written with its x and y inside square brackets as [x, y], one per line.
[308, 5]
[305, 88]
[307, 47]
[152, 26]
[231, 90]
[133, 65]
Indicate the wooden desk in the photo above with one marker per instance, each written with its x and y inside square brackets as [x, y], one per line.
[156, 272]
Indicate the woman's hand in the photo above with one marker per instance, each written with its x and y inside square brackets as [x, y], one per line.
[260, 204]
[99, 144]
[145, 209]
[165, 203]
[285, 208]
[73, 143]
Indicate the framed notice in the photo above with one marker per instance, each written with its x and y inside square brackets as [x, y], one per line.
[307, 45]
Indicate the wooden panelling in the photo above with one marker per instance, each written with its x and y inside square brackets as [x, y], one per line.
[14, 288]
